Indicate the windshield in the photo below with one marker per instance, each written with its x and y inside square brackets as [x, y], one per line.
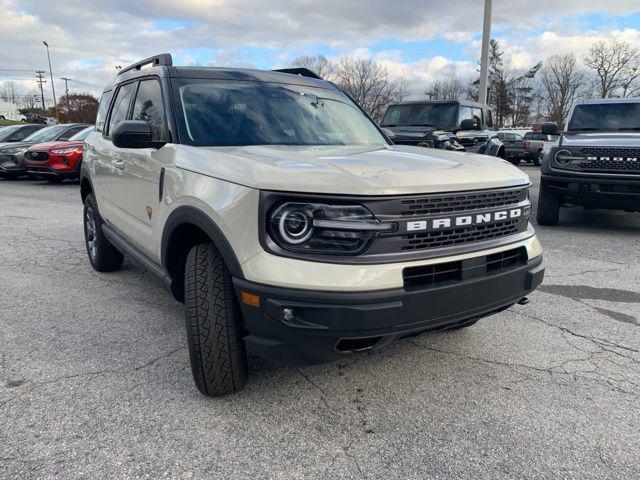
[236, 113]
[440, 115]
[47, 134]
[605, 116]
[81, 135]
[6, 132]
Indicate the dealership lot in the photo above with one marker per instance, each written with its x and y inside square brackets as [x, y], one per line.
[95, 378]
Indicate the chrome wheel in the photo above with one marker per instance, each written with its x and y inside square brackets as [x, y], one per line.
[90, 233]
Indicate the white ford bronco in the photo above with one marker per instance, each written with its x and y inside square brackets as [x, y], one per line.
[288, 224]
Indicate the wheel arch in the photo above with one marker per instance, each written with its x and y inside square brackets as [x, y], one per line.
[86, 187]
[186, 227]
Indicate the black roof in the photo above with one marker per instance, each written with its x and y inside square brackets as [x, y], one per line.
[161, 65]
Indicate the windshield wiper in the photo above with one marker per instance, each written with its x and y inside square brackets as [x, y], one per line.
[585, 129]
[629, 128]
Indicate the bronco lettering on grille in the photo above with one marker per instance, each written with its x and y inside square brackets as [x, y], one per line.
[463, 220]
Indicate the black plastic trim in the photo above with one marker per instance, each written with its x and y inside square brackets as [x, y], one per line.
[191, 215]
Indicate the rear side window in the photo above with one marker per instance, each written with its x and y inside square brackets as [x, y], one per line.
[121, 106]
[148, 107]
[105, 100]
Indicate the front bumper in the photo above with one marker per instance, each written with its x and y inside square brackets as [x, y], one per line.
[325, 326]
[619, 192]
[9, 165]
[40, 171]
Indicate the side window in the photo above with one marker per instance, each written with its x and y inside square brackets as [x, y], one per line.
[20, 134]
[71, 132]
[477, 114]
[465, 113]
[121, 106]
[148, 107]
[105, 100]
[488, 118]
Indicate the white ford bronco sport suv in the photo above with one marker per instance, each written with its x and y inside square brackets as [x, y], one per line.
[286, 222]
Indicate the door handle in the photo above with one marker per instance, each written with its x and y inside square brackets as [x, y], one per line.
[119, 164]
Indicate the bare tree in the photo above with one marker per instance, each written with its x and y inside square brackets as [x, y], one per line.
[562, 81]
[446, 89]
[615, 65]
[316, 63]
[9, 92]
[369, 84]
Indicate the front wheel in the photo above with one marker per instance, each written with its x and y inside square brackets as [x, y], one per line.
[214, 324]
[104, 257]
[548, 207]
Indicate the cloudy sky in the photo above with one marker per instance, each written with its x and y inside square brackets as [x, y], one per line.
[415, 39]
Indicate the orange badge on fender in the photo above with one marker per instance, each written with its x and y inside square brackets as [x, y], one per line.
[149, 212]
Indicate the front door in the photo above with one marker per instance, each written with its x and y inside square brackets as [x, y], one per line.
[136, 180]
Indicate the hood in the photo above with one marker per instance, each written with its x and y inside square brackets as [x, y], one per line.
[379, 170]
[601, 139]
[14, 144]
[40, 147]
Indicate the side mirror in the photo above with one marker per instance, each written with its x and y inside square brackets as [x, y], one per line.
[133, 134]
[469, 124]
[549, 128]
[389, 133]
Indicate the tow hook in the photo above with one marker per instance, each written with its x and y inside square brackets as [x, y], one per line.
[523, 301]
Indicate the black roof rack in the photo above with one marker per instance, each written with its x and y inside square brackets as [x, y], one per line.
[304, 72]
[162, 59]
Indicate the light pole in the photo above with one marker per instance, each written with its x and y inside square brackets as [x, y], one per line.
[484, 56]
[53, 88]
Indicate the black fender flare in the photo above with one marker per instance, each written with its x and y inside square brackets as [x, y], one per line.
[191, 215]
[84, 175]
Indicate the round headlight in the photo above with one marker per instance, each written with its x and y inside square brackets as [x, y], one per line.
[563, 157]
[295, 227]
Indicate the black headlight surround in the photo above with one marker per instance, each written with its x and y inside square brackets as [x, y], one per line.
[321, 236]
[566, 158]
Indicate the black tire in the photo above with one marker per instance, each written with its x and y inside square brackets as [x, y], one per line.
[538, 158]
[548, 207]
[214, 324]
[104, 257]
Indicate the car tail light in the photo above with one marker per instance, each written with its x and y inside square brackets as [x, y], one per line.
[525, 145]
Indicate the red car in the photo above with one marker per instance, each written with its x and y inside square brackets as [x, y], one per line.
[56, 161]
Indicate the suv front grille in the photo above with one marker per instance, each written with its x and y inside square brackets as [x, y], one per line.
[37, 156]
[459, 236]
[602, 159]
[429, 208]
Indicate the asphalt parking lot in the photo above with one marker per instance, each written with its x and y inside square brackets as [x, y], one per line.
[95, 379]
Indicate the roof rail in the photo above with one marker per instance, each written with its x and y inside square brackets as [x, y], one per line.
[304, 72]
[162, 59]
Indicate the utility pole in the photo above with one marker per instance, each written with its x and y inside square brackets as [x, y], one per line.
[53, 87]
[66, 90]
[484, 56]
[41, 80]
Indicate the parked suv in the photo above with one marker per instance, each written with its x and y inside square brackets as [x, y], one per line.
[57, 161]
[596, 163]
[446, 124]
[289, 226]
